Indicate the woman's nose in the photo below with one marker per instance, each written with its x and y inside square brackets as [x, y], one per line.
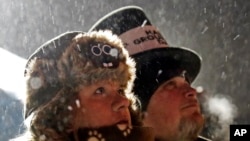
[120, 103]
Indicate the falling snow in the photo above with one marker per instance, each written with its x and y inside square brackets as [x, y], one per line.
[114, 52]
[237, 36]
[78, 103]
[35, 82]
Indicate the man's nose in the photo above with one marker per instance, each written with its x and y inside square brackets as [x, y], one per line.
[191, 93]
[120, 103]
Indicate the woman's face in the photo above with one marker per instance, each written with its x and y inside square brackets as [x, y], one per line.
[102, 104]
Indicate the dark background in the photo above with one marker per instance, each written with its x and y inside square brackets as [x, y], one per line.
[217, 29]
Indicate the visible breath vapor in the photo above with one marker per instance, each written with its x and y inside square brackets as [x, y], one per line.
[221, 112]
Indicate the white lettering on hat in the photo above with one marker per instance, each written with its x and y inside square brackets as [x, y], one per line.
[143, 38]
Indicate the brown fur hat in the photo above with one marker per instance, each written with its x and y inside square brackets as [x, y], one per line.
[73, 61]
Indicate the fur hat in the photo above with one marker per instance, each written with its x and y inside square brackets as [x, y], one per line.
[156, 61]
[74, 59]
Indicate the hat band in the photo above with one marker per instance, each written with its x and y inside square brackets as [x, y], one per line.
[143, 38]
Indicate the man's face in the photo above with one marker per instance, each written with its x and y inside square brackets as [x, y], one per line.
[173, 111]
[103, 104]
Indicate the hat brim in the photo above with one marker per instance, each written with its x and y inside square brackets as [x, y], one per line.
[168, 58]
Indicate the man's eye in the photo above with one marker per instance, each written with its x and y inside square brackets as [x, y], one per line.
[100, 90]
[169, 86]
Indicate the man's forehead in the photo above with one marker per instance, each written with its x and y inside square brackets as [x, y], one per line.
[178, 78]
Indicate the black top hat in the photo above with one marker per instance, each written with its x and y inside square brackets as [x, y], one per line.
[156, 62]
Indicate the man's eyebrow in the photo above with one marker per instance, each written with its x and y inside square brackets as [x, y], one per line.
[169, 82]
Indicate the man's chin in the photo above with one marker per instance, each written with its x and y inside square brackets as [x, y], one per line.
[197, 118]
[194, 114]
[192, 125]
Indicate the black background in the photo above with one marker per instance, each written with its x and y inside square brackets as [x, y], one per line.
[239, 135]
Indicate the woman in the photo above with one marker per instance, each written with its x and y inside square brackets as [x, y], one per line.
[79, 88]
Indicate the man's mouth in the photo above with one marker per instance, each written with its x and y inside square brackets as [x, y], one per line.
[190, 105]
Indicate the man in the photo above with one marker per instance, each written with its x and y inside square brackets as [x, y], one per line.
[164, 75]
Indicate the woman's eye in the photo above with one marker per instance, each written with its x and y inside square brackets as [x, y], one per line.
[99, 90]
[121, 92]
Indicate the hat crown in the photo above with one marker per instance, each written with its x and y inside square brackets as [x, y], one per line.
[122, 20]
[134, 28]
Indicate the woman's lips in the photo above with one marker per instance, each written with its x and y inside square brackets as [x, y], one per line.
[123, 122]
